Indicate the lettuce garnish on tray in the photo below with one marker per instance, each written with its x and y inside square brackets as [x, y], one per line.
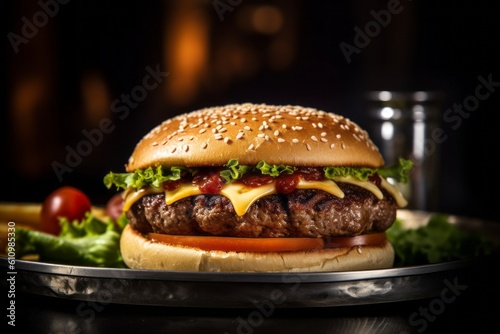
[89, 242]
[437, 241]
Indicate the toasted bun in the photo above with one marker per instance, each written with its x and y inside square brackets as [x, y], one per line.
[141, 253]
[289, 135]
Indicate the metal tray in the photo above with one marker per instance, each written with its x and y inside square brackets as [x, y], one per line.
[253, 290]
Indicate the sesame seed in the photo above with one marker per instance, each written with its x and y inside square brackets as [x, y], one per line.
[343, 146]
[338, 136]
[324, 140]
[185, 148]
[247, 128]
[320, 125]
[204, 145]
[283, 126]
[240, 135]
[227, 140]
[173, 149]
[202, 130]
[155, 143]
[276, 133]
[332, 145]
[251, 147]
[180, 139]
[323, 134]
[260, 135]
[218, 136]
[314, 138]
[281, 140]
[266, 137]
[295, 140]
[308, 147]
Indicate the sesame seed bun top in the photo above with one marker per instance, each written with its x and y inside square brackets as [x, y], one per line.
[277, 134]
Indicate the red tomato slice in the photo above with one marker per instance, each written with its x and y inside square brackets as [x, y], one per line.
[359, 240]
[240, 244]
[265, 244]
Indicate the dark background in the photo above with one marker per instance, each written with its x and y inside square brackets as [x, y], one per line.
[87, 54]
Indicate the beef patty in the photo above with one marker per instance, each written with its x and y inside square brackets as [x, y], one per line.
[303, 213]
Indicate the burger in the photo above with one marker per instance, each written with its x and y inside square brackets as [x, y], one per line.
[258, 188]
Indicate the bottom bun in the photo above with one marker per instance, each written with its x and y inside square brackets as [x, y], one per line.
[139, 252]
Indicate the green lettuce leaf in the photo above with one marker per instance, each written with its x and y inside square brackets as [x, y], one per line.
[359, 173]
[89, 242]
[274, 170]
[151, 176]
[234, 171]
[400, 172]
[155, 176]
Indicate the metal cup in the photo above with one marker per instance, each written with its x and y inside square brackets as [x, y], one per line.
[403, 125]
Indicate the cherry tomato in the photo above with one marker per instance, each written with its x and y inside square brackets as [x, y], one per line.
[67, 202]
[114, 206]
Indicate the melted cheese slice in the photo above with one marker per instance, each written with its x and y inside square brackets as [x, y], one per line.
[184, 190]
[363, 184]
[130, 196]
[395, 192]
[326, 185]
[242, 197]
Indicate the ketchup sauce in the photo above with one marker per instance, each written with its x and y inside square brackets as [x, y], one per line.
[210, 181]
